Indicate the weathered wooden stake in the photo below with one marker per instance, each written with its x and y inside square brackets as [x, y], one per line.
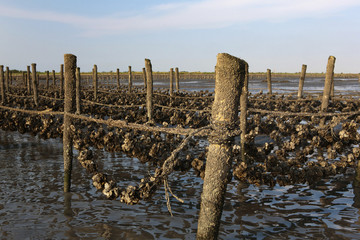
[327, 87]
[28, 80]
[34, 83]
[54, 78]
[171, 81]
[2, 85]
[243, 111]
[130, 79]
[230, 76]
[149, 90]
[301, 81]
[177, 79]
[7, 76]
[95, 81]
[78, 90]
[144, 76]
[268, 79]
[69, 107]
[61, 80]
[47, 79]
[118, 78]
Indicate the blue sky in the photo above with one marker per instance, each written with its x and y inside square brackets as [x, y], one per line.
[277, 34]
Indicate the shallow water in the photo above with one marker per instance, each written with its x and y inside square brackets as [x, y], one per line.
[33, 205]
[279, 85]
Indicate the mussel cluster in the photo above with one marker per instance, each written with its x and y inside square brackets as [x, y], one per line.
[298, 150]
[295, 149]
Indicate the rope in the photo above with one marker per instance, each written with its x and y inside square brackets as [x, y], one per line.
[287, 100]
[18, 96]
[279, 113]
[189, 97]
[110, 105]
[51, 98]
[140, 127]
[34, 112]
[181, 109]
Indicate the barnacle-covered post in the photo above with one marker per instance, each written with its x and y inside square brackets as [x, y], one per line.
[329, 78]
[34, 83]
[118, 78]
[177, 79]
[171, 81]
[2, 84]
[28, 80]
[61, 79]
[78, 90]
[95, 81]
[301, 81]
[144, 77]
[47, 80]
[54, 78]
[130, 79]
[230, 76]
[69, 107]
[149, 89]
[7, 79]
[268, 80]
[243, 110]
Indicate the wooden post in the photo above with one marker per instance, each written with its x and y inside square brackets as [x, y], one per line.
[95, 81]
[78, 90]
[130, 79]
[61, 79]
[171, 81]
[118, 78]
[268, 79]
[2, 85]
[230, 75]
[54, 78]
[177, 79]
[144, 76]
[69, 103]
[7, 76]
[34, 83]
[327, 87]
[149, 90]
[28, 80]
[301, 81]
[47, 80]
[243, 110]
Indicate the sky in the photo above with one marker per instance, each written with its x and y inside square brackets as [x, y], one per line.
[277, 34]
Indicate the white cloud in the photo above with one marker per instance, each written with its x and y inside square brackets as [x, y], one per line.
[191, 15]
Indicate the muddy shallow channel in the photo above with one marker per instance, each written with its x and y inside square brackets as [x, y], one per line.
[33, 205]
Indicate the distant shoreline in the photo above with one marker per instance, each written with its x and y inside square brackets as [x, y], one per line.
[211, 75]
